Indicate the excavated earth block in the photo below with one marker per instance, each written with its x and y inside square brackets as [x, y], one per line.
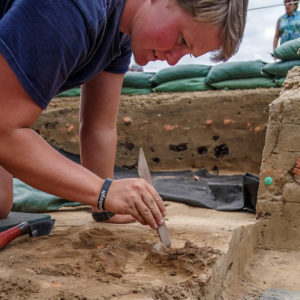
[278, 207]
[222, 131]
[214, 255]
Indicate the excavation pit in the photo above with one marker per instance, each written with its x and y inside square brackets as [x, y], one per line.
[214, 254]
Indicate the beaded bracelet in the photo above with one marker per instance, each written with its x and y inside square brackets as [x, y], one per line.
[103, 193]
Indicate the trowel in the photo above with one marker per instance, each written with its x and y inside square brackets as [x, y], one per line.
[144, 173]
[34, 229]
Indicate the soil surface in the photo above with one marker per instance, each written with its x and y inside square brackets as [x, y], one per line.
[269, 269]
[82, 259]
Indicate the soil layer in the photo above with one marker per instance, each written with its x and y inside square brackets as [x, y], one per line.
[82, 259]
[221, 131]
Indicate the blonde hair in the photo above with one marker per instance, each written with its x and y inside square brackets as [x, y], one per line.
[229, 15]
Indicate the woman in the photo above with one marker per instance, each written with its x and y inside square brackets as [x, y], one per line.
[288, 25]
[50, 46]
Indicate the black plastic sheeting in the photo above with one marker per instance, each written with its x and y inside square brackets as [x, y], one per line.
[199, 188]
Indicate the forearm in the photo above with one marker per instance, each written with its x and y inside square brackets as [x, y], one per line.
[27, 156]
[276, 36]
[24, 154]
[98, 151]
[98, 119]
[275, 43]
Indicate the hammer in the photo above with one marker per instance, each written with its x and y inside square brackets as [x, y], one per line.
[34, 229]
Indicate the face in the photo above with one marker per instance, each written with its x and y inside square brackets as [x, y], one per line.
[290, 6]
[161, 30]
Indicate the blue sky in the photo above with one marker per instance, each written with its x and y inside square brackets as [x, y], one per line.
[258, 38]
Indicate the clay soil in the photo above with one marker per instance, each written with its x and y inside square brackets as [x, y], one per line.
[82, 259]
[269, 269]
[221, 131]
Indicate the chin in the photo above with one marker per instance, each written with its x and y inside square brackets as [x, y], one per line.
[141, 61]
[139, 58]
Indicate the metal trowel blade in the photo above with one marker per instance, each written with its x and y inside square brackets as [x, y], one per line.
[144, 173]
[164, 235]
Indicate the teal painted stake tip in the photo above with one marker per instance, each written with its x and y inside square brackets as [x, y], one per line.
[268, 180]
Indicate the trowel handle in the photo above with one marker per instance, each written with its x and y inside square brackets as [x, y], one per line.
[10, 234]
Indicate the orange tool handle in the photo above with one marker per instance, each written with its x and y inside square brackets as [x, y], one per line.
[10, 234]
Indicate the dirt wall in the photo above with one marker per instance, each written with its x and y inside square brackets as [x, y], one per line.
[278, 207]
[222, 131]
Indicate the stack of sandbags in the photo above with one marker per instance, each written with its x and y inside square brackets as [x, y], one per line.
[239, 75]
[197, 77]
[136, 83]
[289, 55]
[181, 78]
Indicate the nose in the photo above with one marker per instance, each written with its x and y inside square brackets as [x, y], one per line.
[174, 55]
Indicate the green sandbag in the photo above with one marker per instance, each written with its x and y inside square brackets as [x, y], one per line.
[288, 50]
[183, 85]
[70, 93]
[180, 72]
[135, 91]
[280, 69]
[279, 81]
[246, 83]
[29, 199]
[137, 79]
[235, 70]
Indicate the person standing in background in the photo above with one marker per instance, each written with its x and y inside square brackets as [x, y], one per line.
[134, 67]
[288, 25]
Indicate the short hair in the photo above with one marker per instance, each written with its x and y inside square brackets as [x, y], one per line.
[229, 15]
[296, 2]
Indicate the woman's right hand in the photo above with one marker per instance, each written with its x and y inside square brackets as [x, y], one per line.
[136, 197]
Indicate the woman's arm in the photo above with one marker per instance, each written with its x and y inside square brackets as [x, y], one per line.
[24, 154]
[98, 142]
[276, 36]
[98, 119]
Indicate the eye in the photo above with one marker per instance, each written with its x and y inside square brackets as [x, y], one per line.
[183, 41]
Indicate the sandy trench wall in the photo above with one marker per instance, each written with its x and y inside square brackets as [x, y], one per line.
[222, 131]
[278, 207]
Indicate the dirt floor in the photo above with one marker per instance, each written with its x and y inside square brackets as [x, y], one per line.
[269, 269]
[213, 254]
[82, 259]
